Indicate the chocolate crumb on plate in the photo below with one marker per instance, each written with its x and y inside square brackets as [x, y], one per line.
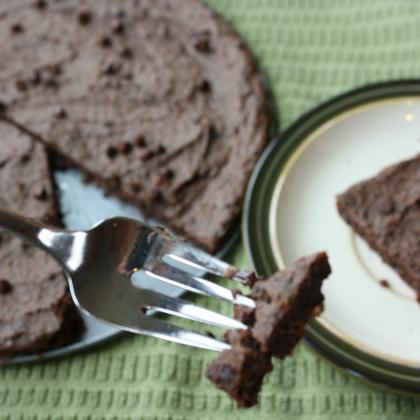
[384, 283]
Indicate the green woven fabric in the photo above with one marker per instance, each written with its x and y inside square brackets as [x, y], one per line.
[310, 50]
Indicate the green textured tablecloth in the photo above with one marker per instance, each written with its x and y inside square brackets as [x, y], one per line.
[310, 50]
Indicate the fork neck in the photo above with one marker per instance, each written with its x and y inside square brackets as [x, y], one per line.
[62, 245]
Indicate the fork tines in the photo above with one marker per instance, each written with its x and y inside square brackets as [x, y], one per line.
[182, 266]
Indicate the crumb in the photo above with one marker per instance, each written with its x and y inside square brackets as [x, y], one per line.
[230, 272]
[251, 278]
[384, 283]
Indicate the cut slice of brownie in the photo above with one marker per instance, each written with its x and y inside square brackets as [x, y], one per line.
[385, 211]
[285, 303]
[36, 311]
[159, 101]
[240, 370]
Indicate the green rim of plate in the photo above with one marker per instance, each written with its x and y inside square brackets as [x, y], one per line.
[255, 230]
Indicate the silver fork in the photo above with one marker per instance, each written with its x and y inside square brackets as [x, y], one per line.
[99, 264]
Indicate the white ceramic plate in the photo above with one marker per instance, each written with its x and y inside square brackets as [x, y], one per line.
[371, 330]
[347, 149]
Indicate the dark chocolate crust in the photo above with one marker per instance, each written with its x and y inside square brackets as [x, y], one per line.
[36, 311]
[159, 101]
[385, 211]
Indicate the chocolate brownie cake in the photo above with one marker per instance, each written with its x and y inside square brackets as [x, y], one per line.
[240, 370]
[36, 311]
[285, 303]
[159, 101]
[385, 211]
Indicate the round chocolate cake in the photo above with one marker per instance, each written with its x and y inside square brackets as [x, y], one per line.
[158, 101]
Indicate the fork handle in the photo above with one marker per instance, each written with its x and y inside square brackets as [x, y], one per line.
[39, 234]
